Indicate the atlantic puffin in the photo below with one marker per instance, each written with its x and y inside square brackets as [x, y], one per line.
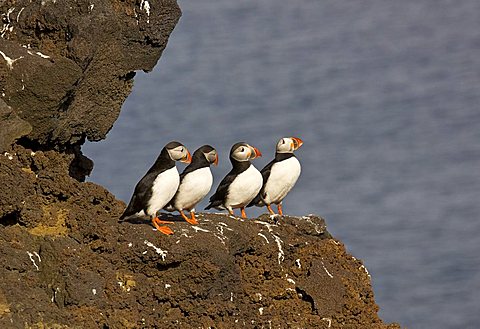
[195, 183]
[158, 186]
[280, 175]
[241, 184]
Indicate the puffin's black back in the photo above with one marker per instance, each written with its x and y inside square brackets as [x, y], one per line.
[164, 161]
[143, 189]
[266, 174]
[222, 190]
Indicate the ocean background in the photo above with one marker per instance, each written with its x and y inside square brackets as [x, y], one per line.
[385, 95]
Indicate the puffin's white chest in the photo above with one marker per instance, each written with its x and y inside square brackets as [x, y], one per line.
[244, 188]
[283, 176]
[194, 187]
[163, 190]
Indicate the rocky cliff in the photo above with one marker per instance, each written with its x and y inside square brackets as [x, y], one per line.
[65, 69]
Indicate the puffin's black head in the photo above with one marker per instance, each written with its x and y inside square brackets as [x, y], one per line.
[206, 152]
[244, 152]
[288, 144]
[177, 152]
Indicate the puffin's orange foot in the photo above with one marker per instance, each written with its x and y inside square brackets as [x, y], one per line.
[163, 229]
[244, 214]
[192, 220]
[159, 221]
[270, 210]
[280, 210]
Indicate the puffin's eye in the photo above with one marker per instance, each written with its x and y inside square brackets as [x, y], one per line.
[283, 141]
[181, 150]
[242, 150]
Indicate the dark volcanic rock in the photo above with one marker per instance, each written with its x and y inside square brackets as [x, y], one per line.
[12, 126]
[67, 66]
[224, 273]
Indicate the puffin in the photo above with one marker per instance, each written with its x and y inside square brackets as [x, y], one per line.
[240, 186]
[280, 175]
[195, 183]
[158, 186]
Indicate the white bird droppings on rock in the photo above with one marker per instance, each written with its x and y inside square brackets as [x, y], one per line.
[38, 256]
[297, 262]
[263, 236]
[9, 61]
[281, 254]
[6, 26]
[364, 269]
[33, 260]
[328, 273]
[145, 6]
[196, 229]
[8, 155]
[274, 216]
[19, 13]
[162, 253]
[328, 320]
[42, 55]
[267, 225]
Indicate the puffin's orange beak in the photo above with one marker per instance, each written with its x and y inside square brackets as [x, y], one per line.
[187, 158]
[256, 153]
[297, 143]
[216, 160]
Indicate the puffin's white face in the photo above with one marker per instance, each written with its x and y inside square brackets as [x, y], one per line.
[212, 157]
[288, 144]
[246, 152]
[180, 153]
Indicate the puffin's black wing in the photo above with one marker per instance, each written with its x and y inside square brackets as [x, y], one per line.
[222, 190]
[141, 195]
[265, 174]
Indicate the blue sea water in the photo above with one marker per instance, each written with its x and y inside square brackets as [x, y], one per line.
[386, 96]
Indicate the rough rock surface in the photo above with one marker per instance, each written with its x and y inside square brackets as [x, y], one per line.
[12, 126]
[66, 67]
